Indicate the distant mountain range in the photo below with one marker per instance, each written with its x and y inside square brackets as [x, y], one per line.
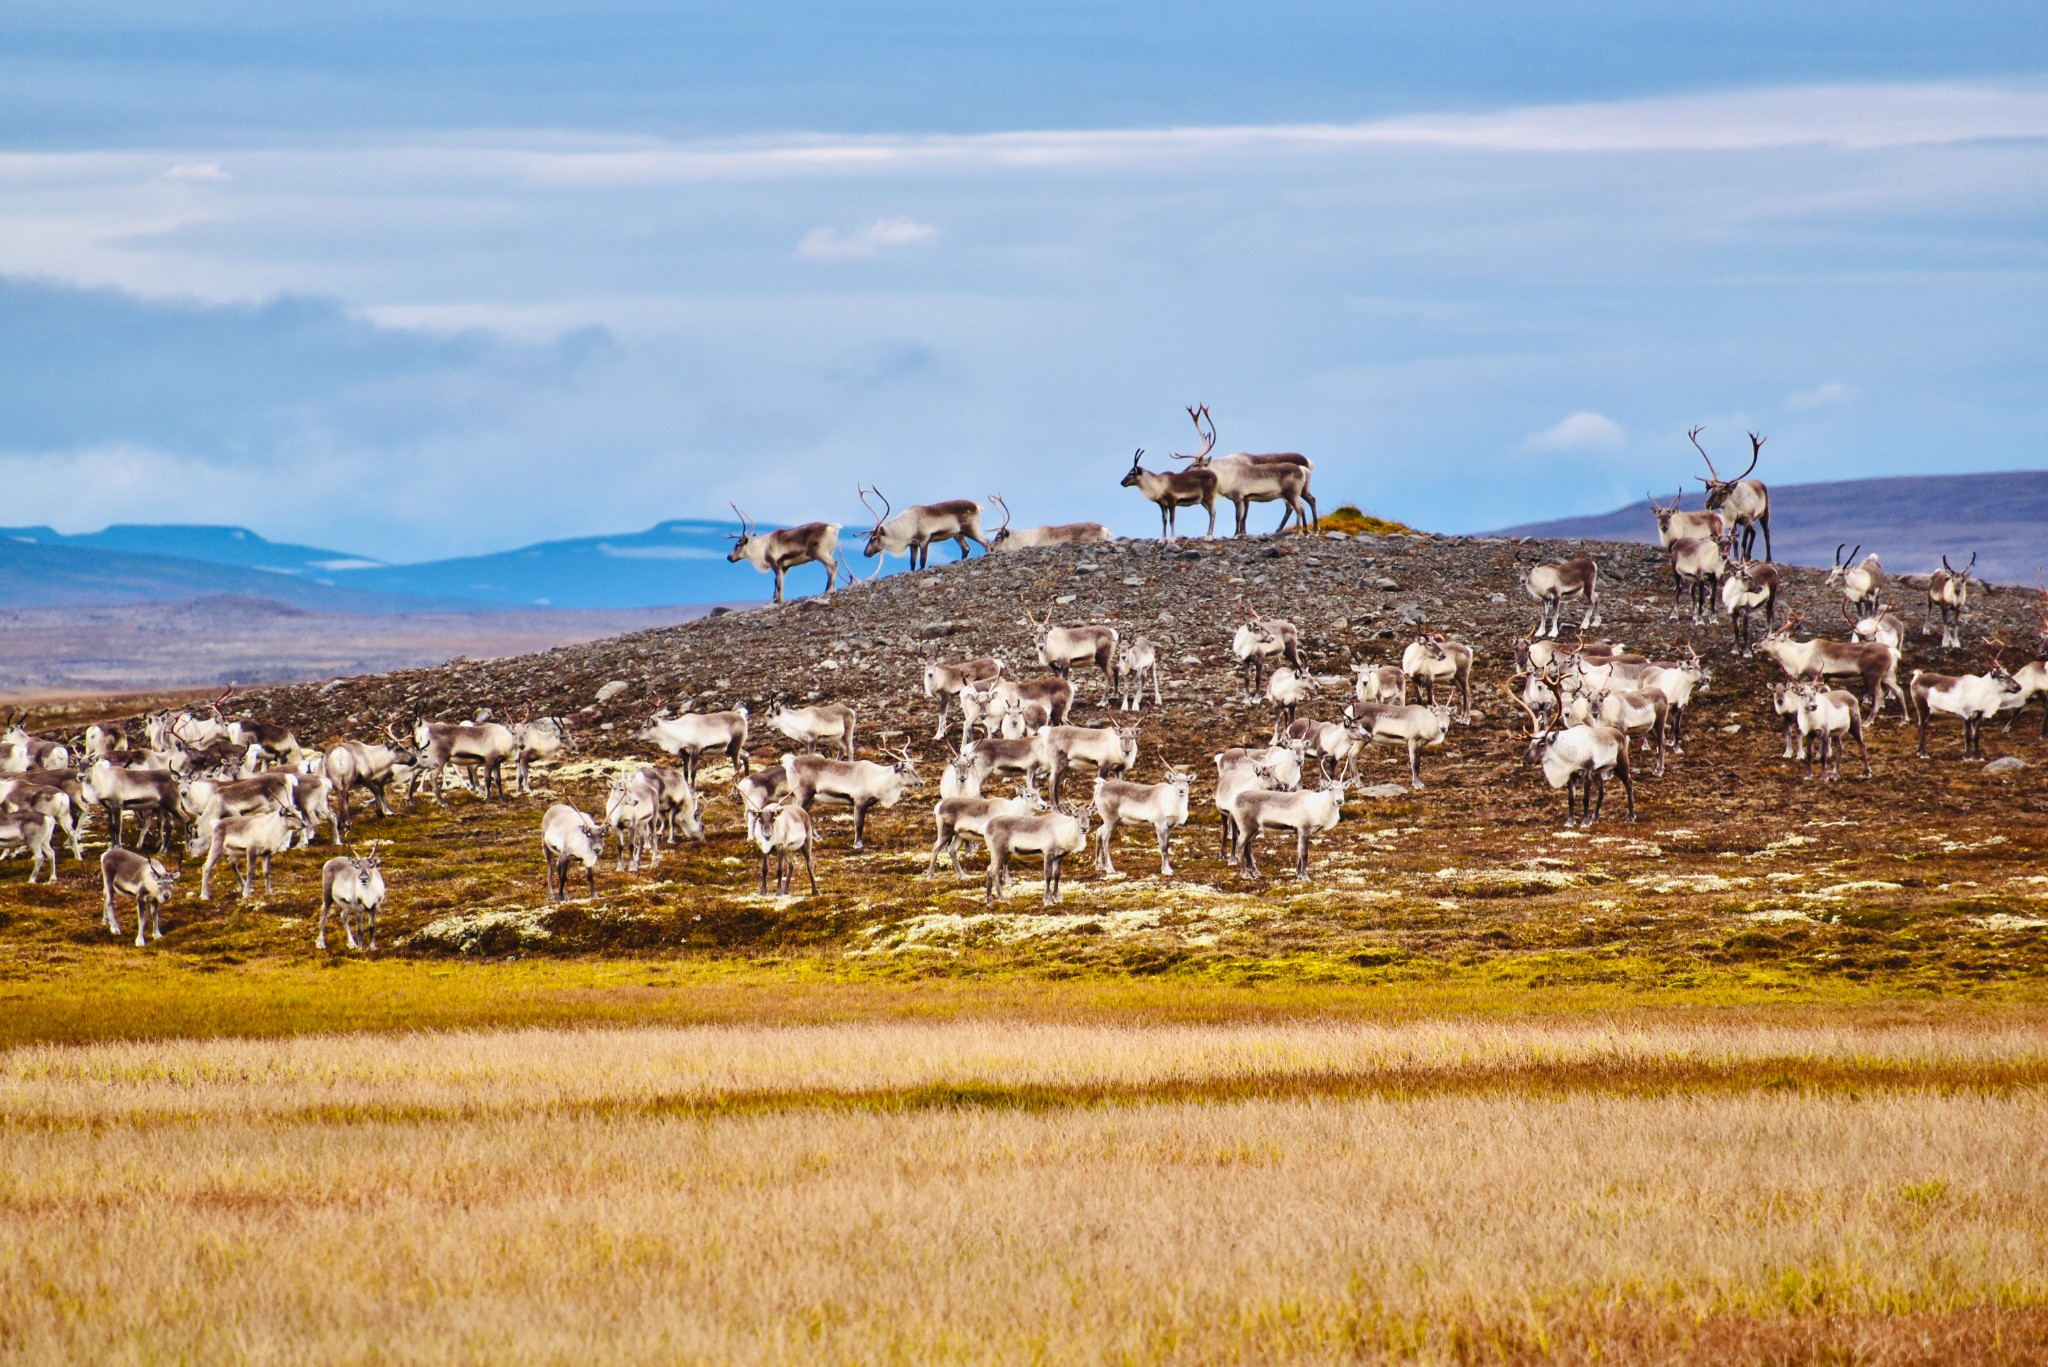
[672, 563]
[1911, 522]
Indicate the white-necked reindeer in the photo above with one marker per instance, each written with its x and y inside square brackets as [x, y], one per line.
[949, 682]
[860, 783]
[1433, 658]
[1744, 502]
[1306, 814]
[124, 873]
[1972, 699]
[569, 838]
[1064, 534]
[689, 736]
[1287, 691]
[1699, 565]
[1259, 640]
[913, 530]
[1137, 665]
[1748, 587]
[353, 884]
[1173, 490]
[1861, 581]
[1550, 585]
[1673, 524]
[1948, 593]
[1411, 724]
[1053, 834]
[1579, 759]
[811, 726]
[1061, 648]
[1162, 806]
[779, 552]
[1246, 479]
[785, 831]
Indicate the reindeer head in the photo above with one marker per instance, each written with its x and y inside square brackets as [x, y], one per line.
[1719, 489]
[740, 538]
[1131, 478]
[1963, 577]
[1002, 532]
[1663, 513]
[875, 537]
[1841, 567]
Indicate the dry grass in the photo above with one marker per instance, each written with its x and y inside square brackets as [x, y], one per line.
[981, 1191]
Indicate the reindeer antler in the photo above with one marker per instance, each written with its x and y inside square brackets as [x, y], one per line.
[865, 490]
[1756, 451]
[1004, 504]
[1196, 415]
[746, 526]
[1693, 435]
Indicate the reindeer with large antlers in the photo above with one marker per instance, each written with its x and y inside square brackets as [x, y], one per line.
[1173, 490]
[1246, 479]
[1064, 534]
[913, 530]
[779, 552]
[1745, 502]
[1948, 593]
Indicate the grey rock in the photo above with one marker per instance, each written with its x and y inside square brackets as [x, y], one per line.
[2010, 764]
[1387, 584]
[932, 631]
[612, 690]
[1384, 790]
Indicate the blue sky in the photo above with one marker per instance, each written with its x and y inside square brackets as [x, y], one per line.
[418, 284]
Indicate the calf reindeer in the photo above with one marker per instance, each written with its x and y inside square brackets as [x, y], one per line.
[1336, 747]
[124, 873]
[1970, 698]
[1697, 565]
[1260, 639]
[1788, 699]
[808, 726]
[1861, 582]
[687, 738]
[1110, 749]
[569, 838]
[1061, 648]
[765, 785]
[1053, 834]
[541, 738]
[861, 784]
[946, 682]
[785, 831]
[1431, 659]
[1744, 502]
[1162, 806]
[1580, 759]
[1138, 665]
[1881, 625]
[1173, 490]
[1065, 534]
[914, 529]
[1748, 587]
[353, 886]
[1634, 712]
[1307, 815]
[1550, 585]
[677, 810]
[1379, 683]
[1826, 715]
[779, 552]
[1948, 593]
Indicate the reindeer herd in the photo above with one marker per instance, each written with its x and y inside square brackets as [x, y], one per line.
[237, 790]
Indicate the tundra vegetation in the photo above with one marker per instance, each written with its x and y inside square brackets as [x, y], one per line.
[1759, 1076]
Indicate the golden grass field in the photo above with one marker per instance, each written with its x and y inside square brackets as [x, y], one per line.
[1860, 1186]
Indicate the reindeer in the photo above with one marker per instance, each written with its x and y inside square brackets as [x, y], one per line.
[996, 703]
[313, 795]
[63, 802]
[1378, 683]
[1173, 490]
[1550, 585]
[1138, 665]
[32, 833]
[569, 838]
[371, 766]
[485, 744]
[1634, 712]
[1861, 582]
[1745, 502]
[783, 830]
[1411, 724]
[632, 808]
[770, 783]
[1162, 806]
[687, 737]
[128, 874]
[1110, 749]
[807, 726]
[1028, 756]
[1825, 716]
[1677, 683]
[947, 681]
[1306, 814]
[353, 885]
[1674, 525]
[1239, 769]
[1750, 586]
[1788, 700]
[21, 752]
[147, 792]
[1259, 639]
[1061, 648]
[276, 741]
[101, 738]
[1053, 834]
[1700, 565]
[1065, 534]
[915, 528]
[1882, 625]
[961, 813]
[863, 784]
[1332, 743]
[1430, 659]
[189, 729]
[251, 838]
[1948, 593]
[1875, 663]
[779, 552]
[206, 802]
[1246, 479]
[677, 811]
[1970, 698]
[538, 738]
[1578, 758]
[1287, 691]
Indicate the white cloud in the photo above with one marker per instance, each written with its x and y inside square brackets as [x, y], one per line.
[1579, 432]
[197, 170]
[1833, 394]
[865, 244]
[605, 548]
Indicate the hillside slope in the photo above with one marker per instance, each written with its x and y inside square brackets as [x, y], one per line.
[1911, 522]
